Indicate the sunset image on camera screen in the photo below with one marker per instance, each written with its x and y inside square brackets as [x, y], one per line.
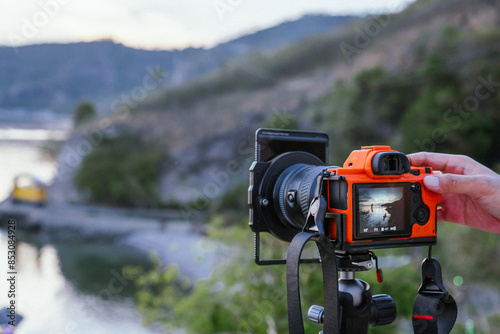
[381, 209]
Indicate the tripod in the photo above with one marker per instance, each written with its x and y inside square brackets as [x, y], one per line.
[349, 304]
[358, 308]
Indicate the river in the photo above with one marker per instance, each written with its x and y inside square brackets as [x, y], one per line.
[63, 286]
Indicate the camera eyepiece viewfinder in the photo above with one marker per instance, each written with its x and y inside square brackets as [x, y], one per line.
[390, 163]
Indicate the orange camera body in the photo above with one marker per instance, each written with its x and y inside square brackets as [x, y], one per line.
[377, 200]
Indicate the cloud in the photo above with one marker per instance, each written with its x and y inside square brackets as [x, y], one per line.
[384, 194]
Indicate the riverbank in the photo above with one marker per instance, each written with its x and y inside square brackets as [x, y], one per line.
[63, 220]
[160, 232]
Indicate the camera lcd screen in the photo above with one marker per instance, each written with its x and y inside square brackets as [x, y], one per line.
[382, 210]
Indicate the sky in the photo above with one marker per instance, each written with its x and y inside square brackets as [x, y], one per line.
[369, 196]
[162, 24]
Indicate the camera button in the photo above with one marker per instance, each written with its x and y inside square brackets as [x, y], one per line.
[415, 187]
[264, 202]
[421, 214]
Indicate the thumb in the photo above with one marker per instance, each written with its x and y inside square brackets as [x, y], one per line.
[471, 185]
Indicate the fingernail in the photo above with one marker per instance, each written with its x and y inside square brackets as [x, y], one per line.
[431, 182]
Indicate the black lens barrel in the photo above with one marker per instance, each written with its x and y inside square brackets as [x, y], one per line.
[294, 191]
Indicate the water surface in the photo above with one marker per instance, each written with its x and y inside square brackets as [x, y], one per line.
[63, 286]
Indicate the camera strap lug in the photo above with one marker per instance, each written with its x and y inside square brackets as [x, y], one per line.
[434, 310]
[318, 207]
[316, 216]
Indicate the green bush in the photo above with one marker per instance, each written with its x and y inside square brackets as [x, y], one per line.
[239, 297]
[121, 171]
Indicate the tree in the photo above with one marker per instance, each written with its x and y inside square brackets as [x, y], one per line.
[123, 171]
[83, 113]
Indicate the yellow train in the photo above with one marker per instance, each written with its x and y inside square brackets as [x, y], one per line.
[29, 189]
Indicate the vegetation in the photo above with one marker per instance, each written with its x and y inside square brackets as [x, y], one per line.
[122, 170]
[240, 297]
[83, 113]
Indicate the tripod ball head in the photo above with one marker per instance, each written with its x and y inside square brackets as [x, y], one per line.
[382, 311]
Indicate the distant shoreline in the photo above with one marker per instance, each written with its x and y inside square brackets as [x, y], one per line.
[19, 125]
[32, 135]
[19, 118]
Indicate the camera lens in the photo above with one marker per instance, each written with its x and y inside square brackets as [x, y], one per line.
[294, 191]
[287, 184]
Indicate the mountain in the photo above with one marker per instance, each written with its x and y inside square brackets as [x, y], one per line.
[56, 76]
[274, 38]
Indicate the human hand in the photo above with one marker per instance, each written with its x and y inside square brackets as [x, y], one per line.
[470, 191]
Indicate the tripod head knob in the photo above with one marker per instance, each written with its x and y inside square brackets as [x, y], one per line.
[315, 314]
[383, 310]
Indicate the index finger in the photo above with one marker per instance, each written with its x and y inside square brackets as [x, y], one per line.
[447, 163]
